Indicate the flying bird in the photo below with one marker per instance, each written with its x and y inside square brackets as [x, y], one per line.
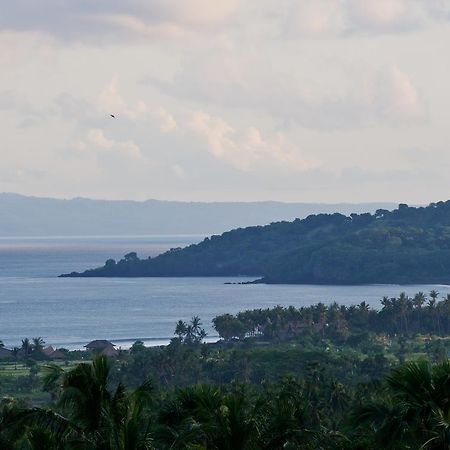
[113, 116]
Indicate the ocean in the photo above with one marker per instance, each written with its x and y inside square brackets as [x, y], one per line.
[70, 312]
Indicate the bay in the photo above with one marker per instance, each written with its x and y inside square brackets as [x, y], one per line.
[70, 312]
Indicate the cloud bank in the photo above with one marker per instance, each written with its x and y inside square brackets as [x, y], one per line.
[319, 100]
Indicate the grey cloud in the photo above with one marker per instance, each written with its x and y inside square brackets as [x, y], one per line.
[255, 85]
[331, 18]
[28, 114]
[69, 19]
[118, 19]
[78, 110]
[111, 19]
[10, 100]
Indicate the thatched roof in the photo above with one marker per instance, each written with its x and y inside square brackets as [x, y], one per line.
[110, 352]
[57, 354]
[5, 353]
[99, 344]
[47, 351]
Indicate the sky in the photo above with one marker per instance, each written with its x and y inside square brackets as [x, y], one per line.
[290, 100]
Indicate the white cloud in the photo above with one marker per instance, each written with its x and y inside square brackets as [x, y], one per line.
[380, 13]
[316, 18]
[198, 12]
[17, 48]
[178, 170]
[111, 102]
[338, 97]
[321, 18]
[279, 87]
[166, 120]
[246, 150]
[97, 140]
[403, 100]
[136, 26]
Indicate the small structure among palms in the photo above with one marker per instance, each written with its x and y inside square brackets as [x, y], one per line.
[102, 347]
[51, 353]
[5, 353]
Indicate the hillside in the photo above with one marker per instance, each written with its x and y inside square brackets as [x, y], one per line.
[407, 245]
[34, 216]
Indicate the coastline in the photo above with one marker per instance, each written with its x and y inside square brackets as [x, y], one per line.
[120, 344]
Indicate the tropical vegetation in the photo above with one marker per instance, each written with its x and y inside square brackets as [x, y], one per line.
[318, 377]
[406, 245]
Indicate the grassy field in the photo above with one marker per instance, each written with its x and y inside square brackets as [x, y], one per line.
[23, 381]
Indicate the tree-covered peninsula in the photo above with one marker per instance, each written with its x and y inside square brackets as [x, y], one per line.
[407, 245]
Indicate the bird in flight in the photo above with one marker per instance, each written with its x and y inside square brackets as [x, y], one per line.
[113, 116]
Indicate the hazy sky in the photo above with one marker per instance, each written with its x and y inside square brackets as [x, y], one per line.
[306, 100]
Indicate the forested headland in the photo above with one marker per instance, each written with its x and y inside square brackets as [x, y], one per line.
[407, 245]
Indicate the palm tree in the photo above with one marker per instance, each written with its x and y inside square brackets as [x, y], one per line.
[390, 311]
[447, 311]
[180, 329]
[403, 305]
[418, 301]
[37, 344]
[202, 417]
[321, 310]
[91, 414]
[337, 320]
[433, 308]
[127, 419]
[85, 393]
[191, 333]
[287, 416]
[416, 408]
[199, 332]
[26, 347]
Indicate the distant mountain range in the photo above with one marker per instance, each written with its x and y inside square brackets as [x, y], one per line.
[407, 245]
[34, 216]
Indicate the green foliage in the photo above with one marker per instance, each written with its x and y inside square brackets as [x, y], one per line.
[190, 333]
[407, 245]
[319, 377]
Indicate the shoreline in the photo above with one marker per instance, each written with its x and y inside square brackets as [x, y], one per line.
[120, 344]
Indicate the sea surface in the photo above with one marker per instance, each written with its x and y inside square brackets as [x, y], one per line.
[70, 312]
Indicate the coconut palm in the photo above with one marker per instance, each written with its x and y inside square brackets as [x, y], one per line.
[432, 304]
[15, 352]
[446, 311]
[190, 333]
[403, 307]
[26, 347]
[418, 301]
[416, 409]
[203, 417]
[284, 416]
[37, 344]
[91, 414]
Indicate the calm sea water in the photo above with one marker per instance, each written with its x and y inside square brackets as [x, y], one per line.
[71, 312]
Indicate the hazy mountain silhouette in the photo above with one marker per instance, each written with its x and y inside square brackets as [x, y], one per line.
[34, 216]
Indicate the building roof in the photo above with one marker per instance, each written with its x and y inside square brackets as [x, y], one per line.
[110, 351]
[5, 353]
[99, 344]
[57, 354]
[47, 351]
